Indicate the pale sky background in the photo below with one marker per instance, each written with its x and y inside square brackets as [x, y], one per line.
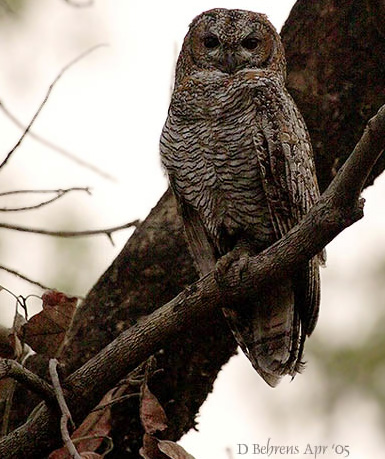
[109, 109]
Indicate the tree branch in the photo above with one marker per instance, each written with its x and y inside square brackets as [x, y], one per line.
[106, 231]
[12, 369]
[337, 208]
[25, 278]
[356, 169]
[59, 194]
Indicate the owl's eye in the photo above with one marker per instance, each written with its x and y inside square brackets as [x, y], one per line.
[250, 42]
[211, 41]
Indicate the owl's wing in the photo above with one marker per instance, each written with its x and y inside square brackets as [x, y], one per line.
[199, 244]
[289, 180]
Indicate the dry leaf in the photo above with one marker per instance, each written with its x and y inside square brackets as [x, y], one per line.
[150, 449]
[45, 331]
[173, 450]
[152, 414]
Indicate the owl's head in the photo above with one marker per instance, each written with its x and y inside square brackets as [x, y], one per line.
[229, 41]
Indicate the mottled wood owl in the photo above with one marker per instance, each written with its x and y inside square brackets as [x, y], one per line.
[239, 161]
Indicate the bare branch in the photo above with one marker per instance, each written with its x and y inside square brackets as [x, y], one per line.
[51, 86]
[20, 300]
[25, 278]
[55, 147]
[66, 415]
[12, 369]
[59, 190]
[106, 231]
[59, 194]
[199, 301]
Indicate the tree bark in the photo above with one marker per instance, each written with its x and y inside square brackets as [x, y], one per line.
[336, 75]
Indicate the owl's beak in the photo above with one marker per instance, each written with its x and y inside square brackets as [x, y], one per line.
[229, 62]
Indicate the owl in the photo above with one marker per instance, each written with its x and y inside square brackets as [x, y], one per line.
[239, 161]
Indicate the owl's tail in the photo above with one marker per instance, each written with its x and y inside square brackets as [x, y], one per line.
[272, 329]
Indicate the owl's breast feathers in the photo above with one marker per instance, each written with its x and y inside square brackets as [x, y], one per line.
[244, 163]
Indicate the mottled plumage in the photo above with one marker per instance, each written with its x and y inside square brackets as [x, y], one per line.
[240, 163]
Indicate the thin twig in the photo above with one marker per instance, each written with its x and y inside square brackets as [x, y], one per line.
[25, 278]
[106, 231]
[55, 147]
[59, 194]
[59, 190]
[51, 86]
[115, 401]
[12, 369]
[20, 300]
[66, 415]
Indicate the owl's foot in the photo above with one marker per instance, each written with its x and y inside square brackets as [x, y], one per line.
[224, 264]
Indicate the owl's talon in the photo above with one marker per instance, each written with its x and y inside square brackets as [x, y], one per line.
[224, 264]
[243, 265]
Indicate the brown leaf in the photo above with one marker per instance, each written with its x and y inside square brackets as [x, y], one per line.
[173, 450]
[150, 449]
[45, 331]
[152, 414]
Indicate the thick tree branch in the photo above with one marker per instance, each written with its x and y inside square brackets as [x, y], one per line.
[12, 369]
[338, 208]
[355, 172]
